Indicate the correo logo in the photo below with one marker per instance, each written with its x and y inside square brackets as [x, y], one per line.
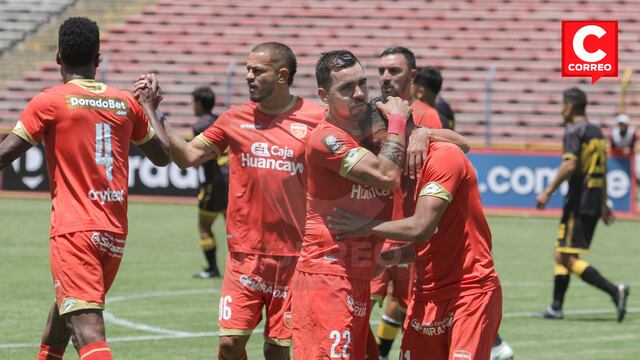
[590, 49]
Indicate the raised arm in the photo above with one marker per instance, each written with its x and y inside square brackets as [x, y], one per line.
[384, 170]
[184, 154]
[156, 149]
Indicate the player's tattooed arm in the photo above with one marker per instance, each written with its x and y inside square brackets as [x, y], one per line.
[384, 170]
[394, 151]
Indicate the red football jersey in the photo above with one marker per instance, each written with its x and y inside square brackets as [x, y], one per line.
[87, 129]
[267, 174]
[457, 260]
[424, 115]
[331, 154]
[404, 200]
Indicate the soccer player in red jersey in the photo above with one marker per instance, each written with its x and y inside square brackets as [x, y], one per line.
[266, 139]
[87, 128]
[397, 70]
[456, 307]
[331, 300]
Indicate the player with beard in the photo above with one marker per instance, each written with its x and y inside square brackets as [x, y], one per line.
[331, 300]
[266, 139]
[397, 70]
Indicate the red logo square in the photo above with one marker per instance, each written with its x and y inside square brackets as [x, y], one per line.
[590, 49]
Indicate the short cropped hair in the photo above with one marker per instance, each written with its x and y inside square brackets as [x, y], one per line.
[576, 97]
[430, 78]
[78, 41]
[205, 97]
[408, 55]
[334, 60]
[281, 56]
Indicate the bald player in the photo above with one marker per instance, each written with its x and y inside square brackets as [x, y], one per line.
[266, 140]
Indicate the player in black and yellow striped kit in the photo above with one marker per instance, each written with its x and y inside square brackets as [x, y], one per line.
[585, 166]
[214, 184]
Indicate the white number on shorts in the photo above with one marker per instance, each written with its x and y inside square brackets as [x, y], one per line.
[335, 336]
[103, 148]
[224, 310]
[407, 355]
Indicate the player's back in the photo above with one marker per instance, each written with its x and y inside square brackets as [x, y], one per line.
[457, 259]
[87, 128]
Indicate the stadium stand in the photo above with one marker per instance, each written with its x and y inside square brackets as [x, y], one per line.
[192, 43]
[19, 18]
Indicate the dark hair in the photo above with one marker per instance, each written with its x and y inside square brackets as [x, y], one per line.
[205, 97]
[282, 56]
[576, 97]
[408, 55]
[334, 60]
[430, 78]
[78, 41]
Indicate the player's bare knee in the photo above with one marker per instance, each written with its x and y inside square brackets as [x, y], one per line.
[275, 352]
[232, 347]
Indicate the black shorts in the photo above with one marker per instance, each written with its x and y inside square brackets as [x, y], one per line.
[212, 198]
[575, 232]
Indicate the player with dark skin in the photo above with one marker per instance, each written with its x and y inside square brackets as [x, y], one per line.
[87, 326]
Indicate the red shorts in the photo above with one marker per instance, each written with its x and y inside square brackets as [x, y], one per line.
[330, 316]
[84, 265]
[400, 278]
[250, 283]
[461, 328]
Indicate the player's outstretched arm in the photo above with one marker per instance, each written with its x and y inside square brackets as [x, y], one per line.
[11, 148]
[419, 227]
[184, 154]
[384, 171]
[192, 153]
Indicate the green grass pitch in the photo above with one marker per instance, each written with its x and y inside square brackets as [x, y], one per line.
[156, 310]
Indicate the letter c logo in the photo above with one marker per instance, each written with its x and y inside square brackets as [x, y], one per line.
[578, 43]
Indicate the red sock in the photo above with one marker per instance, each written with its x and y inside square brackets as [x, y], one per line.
[49, 353]
[220, 357]
[96, 351]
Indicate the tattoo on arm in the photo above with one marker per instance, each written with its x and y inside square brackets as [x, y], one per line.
[394, 151]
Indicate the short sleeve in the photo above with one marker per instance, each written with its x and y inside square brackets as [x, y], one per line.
[443, 173]
[35, 119]
[142, 130]
[334, 150]
[216, 134]
[571, 145]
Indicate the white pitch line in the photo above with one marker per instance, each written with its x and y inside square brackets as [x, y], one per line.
[169, 334]
[110, 318]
